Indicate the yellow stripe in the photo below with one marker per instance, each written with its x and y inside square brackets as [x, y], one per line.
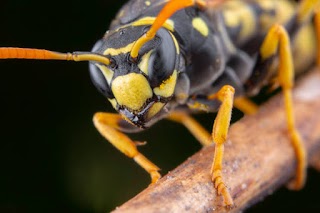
[306, 8]
[144, 64]
[169, 24]
[113, 51]
[113, 103]
[266, 5]
[107, 73]
[284, 10]
[238, 13]
[175, 43]
[166, 89]
[200, 25]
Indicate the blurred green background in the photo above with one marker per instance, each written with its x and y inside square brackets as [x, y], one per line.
[51, 157]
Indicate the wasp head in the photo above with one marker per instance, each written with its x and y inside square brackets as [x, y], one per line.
[137, 88]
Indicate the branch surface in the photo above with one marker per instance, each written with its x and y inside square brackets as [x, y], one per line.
[258, 159]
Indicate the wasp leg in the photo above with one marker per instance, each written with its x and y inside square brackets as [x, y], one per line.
[245, 105]
[201, 134]
[108, 125]
[219, 135]
[277, 40]
[193, 126]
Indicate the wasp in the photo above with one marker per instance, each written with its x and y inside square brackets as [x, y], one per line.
[170, 58]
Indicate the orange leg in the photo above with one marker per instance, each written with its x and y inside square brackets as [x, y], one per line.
[245, 105]
[193, 126]
[218, 136]
[108, 124]
[277, 41]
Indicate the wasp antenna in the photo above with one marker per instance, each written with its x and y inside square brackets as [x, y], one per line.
[87, 56]
[40, 54]
[27, 53]
[168, 10]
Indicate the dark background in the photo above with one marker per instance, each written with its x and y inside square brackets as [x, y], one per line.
[51, 157]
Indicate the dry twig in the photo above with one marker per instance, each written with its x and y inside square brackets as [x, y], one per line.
[258, 159]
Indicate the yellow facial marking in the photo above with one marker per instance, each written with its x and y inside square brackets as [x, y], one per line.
[123, 50]
[167, 87]
[107, 73]
[154, 109]
[113, 103]
[169, 24]
[175, 43]
[131, 90]
[143, 65]
[200, 25]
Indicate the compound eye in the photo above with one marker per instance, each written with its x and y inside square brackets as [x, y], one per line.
[97, 46]
[163, 60]
[100, 82]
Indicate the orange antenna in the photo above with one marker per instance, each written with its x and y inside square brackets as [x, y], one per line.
[26, 53]
[169, 9]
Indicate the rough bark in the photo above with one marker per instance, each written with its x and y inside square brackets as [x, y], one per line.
[258, 159]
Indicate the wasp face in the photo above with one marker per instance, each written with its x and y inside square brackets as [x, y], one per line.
[137, 88]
